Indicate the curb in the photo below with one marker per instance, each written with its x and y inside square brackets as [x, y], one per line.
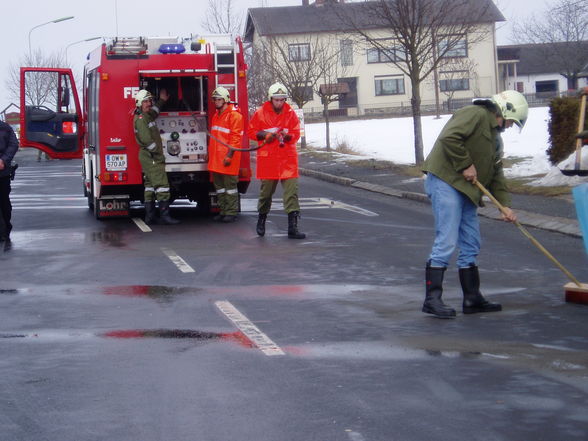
[569, 227]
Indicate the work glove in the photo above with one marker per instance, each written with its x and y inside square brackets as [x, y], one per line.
[267, 136]
[286, 137]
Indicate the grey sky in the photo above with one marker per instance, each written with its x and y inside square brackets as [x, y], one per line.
[144, 17]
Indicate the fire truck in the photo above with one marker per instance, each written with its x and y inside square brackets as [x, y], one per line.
[100, 130]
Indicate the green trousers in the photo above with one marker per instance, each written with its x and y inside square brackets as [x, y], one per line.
[290, 196]
[226, 192]
[155, 177]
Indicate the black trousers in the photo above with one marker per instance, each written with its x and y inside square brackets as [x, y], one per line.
[5, 207]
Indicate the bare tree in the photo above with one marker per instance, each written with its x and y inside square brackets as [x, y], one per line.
[41, 86]
[222, 18]
[330, 89]
[560, 32]
[298, 65]
[415, 36]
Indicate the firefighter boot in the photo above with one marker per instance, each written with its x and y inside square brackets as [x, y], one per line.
[433, 290]
[164, 216]
[473, 301]
[293, 232]
[261, 224]
[150, 214]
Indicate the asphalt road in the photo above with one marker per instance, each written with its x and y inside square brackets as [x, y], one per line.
[207, 332]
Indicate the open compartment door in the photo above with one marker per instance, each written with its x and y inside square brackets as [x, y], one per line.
[51, 119]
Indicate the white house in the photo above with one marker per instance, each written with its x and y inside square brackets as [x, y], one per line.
[375, 84]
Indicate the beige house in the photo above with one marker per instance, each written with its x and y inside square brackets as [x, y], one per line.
[375, 84]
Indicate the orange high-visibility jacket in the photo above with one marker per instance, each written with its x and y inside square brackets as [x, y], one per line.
[273, 161]
[228, 127]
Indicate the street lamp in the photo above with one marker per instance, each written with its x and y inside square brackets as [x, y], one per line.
[76, 42]
[43, 24]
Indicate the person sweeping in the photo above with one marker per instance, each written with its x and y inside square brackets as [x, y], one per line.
[468, 149]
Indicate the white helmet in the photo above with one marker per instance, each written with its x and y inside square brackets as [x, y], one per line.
[277, 90]
[512, 106]
[141, 96]
[221, 92]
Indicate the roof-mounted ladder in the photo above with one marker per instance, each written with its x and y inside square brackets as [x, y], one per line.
[225, 62]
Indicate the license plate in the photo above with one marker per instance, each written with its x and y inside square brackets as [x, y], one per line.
[116, 162]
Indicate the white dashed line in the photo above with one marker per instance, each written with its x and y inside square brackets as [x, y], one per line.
[142, 225]
[178, 261]
[252, 332]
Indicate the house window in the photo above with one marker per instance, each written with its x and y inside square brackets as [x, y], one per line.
[389, 85]
[304, 92]
[346, 52]
[299, 52]
[458, 46]
[388, 55]
[453, 84]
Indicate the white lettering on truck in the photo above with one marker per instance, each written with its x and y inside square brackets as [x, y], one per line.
[130, 92]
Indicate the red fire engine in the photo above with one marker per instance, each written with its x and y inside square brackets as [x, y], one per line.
[102, 131]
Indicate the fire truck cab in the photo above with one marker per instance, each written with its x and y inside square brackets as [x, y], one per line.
[101, 131]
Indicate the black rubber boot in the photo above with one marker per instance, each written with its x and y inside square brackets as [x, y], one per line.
[433, 291]
[293, 232]
[150, 213]
[164, 216]
[473, 300]
[261, 224]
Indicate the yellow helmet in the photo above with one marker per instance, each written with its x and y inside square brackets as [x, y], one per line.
[513, 106]
[277, 90]
[221, 92]
[141, 96]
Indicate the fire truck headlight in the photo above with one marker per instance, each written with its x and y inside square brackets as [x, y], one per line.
[173, 148]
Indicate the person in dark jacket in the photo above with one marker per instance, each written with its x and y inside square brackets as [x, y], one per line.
[468, 149]
[8, 148]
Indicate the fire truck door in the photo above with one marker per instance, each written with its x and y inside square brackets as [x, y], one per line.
[50, 120]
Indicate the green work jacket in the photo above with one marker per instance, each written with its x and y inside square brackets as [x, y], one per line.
[471, 136]
[146, 131]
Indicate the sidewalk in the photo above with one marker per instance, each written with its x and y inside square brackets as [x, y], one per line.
[548, 213]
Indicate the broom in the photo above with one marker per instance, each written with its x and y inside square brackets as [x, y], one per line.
[575, 291]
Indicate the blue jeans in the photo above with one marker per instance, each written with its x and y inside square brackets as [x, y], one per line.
[456, 224]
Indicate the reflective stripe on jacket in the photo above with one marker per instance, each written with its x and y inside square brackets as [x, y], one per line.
[227, 127]
[273, 161]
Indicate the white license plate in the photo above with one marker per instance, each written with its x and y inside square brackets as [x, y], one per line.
[116, 162]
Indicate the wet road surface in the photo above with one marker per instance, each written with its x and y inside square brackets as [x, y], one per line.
[206, 331]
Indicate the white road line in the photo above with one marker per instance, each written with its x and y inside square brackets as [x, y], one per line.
[252, 332]
[250, 205]
[355, 436]
[178, 261]
[142, 225]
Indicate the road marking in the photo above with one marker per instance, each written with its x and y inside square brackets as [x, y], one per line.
[252, 332]
[142, 225]
[178, 261]
[355, 436]
[250, 205]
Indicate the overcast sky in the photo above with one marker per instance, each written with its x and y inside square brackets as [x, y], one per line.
[133, 18]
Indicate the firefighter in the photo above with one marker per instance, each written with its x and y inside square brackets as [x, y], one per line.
[469, 149]
[8, 148]
[277, 126]
[151, 157]
[227, 126]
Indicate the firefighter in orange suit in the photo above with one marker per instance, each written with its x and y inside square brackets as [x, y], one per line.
[227, 126]
[276, 124]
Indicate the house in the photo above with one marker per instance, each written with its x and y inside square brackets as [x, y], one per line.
[375, 84]
[533, 69]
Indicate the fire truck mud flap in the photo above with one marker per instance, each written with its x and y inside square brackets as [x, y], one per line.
[112, 207]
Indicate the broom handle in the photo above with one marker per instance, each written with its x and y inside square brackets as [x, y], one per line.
[529, 236]
[580, 129]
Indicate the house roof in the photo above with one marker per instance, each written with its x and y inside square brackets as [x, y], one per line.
[287, 20]
[531, 58]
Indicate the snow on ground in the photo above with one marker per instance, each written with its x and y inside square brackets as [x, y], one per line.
[392, 139]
